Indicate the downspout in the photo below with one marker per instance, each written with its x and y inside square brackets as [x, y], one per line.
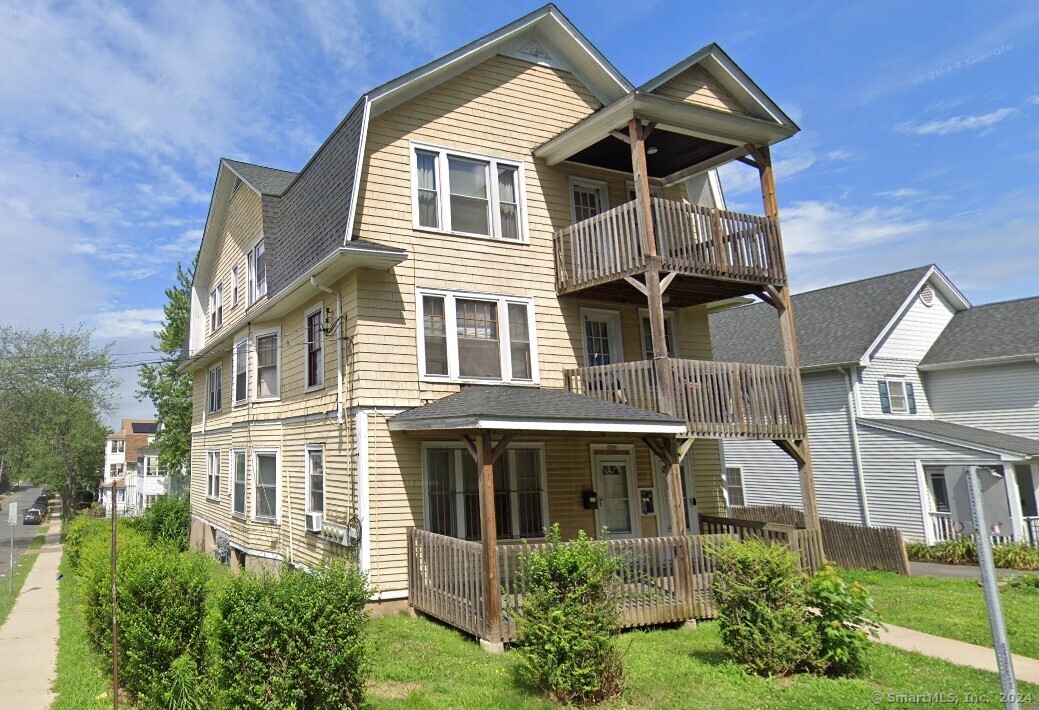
[339, 348]
[853, 427]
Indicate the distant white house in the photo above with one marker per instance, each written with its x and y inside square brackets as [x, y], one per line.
[132, 464]
[906, 387]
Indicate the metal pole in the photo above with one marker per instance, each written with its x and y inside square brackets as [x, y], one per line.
[115, 626]
[988, 579]
[10, 569]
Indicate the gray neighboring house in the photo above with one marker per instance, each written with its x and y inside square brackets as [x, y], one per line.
[906, 386]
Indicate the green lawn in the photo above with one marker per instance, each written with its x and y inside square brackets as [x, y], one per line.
[21, 571]
[82, 681]
[423, 664]
[954, 608]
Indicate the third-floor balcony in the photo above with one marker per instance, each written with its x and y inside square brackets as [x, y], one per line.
[713, 253]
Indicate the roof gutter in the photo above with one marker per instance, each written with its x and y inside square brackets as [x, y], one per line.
[981, 362]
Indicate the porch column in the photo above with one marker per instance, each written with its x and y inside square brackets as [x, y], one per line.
[653, 292]
[779, 297]
[1017, 515]
[489, 540]
[667, 450]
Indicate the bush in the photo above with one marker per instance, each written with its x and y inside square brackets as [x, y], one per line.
[168, 521]
[762, 611]
[568, 621]
[1016, 555]
[962, 550]
[919, 551]
[95, 570]
[298, 640]
[845, 622]
[161, 599]
[81, 529]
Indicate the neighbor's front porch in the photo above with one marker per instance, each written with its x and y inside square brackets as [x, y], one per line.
[1009, 494]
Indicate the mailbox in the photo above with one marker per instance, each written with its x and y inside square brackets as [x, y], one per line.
[590, 499]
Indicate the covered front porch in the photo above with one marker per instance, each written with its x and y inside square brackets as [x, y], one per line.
[500, 464]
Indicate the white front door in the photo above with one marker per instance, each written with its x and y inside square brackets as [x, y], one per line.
[664, 507]
[615, 483]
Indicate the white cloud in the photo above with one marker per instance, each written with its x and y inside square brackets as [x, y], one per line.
[1034, 100]
[813, 227]
[959, 124]
[738, 179]
[128, 323]
[902, 193]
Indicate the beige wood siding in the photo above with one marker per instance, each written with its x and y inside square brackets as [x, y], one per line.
[696, 86]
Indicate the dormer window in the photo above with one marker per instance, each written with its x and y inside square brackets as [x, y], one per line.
[468, 194]
[257, 259]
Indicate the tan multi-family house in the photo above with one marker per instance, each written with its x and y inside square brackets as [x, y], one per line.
[480, 309]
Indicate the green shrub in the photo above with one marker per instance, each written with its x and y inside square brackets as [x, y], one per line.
[95, 570]
[1024, 581]
[298, 640]
[81, 529]
[762, 611]
[184, 691]
[161, 598]
[1016, 555]
[568, 621]
[845, 622]
[168, 521]
[919, 551]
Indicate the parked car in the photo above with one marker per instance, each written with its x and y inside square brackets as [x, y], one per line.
[42, 503]
[45, 494]
[33, 516]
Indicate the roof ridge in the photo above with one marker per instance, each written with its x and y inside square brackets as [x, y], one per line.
[257, 165]
[1001, 303]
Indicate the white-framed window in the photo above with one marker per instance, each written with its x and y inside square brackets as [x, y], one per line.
[214, 388]
[452, 498]
[267, 369]
[588, 198]
[213, 474]
[734, 485]
[115, 470]
[256, 265]
[315, 348]
[234, 285]
[601, 333]
[938, 489]
[670, 333]
[654, 190]
[216, 308]
[238, 479]
[265, 484]
[476, 337]
[118, 446]
[467, 193]
[315, 501]
[896, 396]
[240, 370]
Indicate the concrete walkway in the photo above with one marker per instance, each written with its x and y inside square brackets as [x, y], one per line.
[937, 569]
[958, 652]
[29, 638]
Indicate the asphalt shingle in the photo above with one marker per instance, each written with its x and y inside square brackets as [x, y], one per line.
[266, 181]
[967, 434]
[995, 330]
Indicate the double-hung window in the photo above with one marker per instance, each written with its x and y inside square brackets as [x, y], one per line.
[670, 329]
[468, 194]
[315, 501]
[477, 337]
[315, 350]
[734, 485]
[238, 494]
[240, 366]
[214, 388]
[216, 308]
[897, 396]
[452, 501]
[234, 285]
[213, 474]
[267, 365]
[257, 268]
[265, 493]
[118, 446]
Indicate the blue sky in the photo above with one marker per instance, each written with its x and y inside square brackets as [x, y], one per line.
[919, 144]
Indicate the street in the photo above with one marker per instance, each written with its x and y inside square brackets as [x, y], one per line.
[24, 496]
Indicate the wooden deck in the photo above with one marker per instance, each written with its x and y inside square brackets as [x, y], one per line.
[712, 251]
[717, 400]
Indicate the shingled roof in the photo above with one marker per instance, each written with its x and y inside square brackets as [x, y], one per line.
[835, 325]
[995, 331]
[962, 435]
[266, 181]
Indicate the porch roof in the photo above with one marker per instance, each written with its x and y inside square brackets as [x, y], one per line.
[505, 407]
[961, 435]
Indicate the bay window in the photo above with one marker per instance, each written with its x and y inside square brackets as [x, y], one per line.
[475, 337]
[465, 193]
[452, 498]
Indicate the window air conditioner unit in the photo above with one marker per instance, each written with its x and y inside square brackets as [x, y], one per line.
[314, 521]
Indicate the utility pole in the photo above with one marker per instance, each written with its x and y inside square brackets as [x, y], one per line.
[115, 626]
[988, 580]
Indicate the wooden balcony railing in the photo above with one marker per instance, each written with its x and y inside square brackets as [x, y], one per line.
[690, 240]
[718, 400]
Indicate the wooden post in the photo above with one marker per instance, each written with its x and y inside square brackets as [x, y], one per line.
[492, 640]
[115, 626]
[654, 294]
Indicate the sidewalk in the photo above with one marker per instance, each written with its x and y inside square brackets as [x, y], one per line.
[29, 638]
[958, 652]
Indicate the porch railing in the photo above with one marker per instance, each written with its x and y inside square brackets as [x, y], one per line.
[942, 526]
[445, 580]
[1032, 530]
[806, 543]
[720, 400]
[691, 240]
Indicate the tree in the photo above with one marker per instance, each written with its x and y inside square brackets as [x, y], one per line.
[56, 386]
[168, 389]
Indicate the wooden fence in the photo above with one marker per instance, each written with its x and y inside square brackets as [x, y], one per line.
[845, 544]
[807, 544]
[445, 580]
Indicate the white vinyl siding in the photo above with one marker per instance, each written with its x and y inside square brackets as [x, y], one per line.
[869, 387]
[1002, 398]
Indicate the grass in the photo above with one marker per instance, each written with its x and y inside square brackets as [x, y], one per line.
[422, 664]
[954, 608]
[82, 680]
[21, 570]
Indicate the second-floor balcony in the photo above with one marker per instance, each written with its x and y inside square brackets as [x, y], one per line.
[713, 253]
[718, 400]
